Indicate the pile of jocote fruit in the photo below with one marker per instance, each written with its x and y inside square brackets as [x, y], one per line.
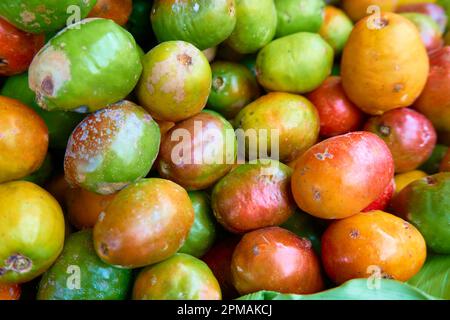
[209, 149]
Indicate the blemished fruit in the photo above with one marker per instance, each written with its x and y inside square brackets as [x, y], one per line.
[260, 259]
[373, 243]
[341, 176]
[384, 64]
[146, 223]
[27, 209]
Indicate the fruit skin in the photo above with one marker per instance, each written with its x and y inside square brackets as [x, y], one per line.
[431, 166]
[383, 201]
[298, 16]
[181, 277]
[60, 124]
[17, 48]
[23, 140]
[176, 81]
[197, 152]
[203, 23]
[336, 28]
[341, 176]
[218, 259]
[84, 207]
[425, 204]
[203, 232]
[445, 164]
[338, 115]
[434, 102]
[429, 30]
[384, 67]
[23, 258]
[111, 148]
[117, 10]
[256, 24]
[436, 12]
[147, 222]
[292, 115]
[39, 16]
[253, 196]
[404, 179]
[297, 63]
[304, 226]
[357, 9]
[275, 259]
[359, 246]
[409, 135]
[85, 67]
[9, 292]
[98, 280]
[233, 87]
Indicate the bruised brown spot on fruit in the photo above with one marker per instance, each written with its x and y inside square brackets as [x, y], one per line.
[323, 156]
[381, 23]
[385, 275]
[430, 180]
[185, 59]
[27, 17]
[406, 225]
[232, 9]
[104, 249]
[354, 234]
[316, 195]
[384, 130]
[17, 263]
[218, 83]
[398, 87]
[47, 85]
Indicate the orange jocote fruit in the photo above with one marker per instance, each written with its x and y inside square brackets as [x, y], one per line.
[23, 140]
[357, 9]
[384, 64]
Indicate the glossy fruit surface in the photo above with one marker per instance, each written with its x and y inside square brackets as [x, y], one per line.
[17, 48]
[404, 179]
[283, 122]
[78, 274]
[338, 115]
[384, 64]
[181, 277]
[253, 196]
[23, 140]
[203, 232]
[297, 63]
[275, 259]
[9, 292]
[111, 148]
[383, 201]
[425, 203]
[146, 223]
[116, 10]
[409, 135]
[340, 176]
[39, 16]
[233, 87]
[336, 28]
[203, 23]
[369, 244]
[22, 257]
[60, 124]
[85, 67]
[176, 81]
[197, 152]
[256, 24]
[84, 207]
[434, 102]
[429, 30]
[298, 16]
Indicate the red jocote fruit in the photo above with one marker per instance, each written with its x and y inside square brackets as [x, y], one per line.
[340, 176]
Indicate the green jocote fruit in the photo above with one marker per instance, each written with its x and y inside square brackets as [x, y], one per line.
[297, 63]
[204, 23]
[233, 87]
[425, 203]
[139, 24]
[39, 16]
[79, 274]
[446, 5]
[255, 26]
[203, 232]
[85, 67]
[181, 277]
[431, 166]
[336, 28]
[60, 124]
[298, 15]
[304, 225]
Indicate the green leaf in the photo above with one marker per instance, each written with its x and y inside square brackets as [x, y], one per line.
[434, 278]
[357, 289]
